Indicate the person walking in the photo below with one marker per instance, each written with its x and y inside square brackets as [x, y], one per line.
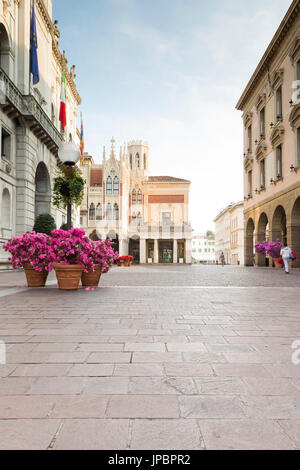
[222, 259]
[286, 254]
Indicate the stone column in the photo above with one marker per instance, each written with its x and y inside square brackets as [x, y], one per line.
[156, 254]
[143, 251]
[123, 248]
[175, 256]
[188, 251]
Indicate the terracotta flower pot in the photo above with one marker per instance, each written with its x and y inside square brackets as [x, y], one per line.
[91, 279]
[68, 275]
[277, 264]
[35, 278]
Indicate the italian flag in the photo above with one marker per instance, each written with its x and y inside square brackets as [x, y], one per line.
[63, 99]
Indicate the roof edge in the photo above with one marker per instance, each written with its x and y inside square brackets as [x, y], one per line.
[274, 45]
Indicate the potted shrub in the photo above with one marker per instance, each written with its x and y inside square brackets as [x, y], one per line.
[71, 252]
[44, 223]
[125, 260]
[102, 258]
[32, 252]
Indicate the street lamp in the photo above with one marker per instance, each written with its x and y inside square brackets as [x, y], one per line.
[69, 155]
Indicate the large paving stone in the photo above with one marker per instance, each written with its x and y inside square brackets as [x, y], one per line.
[162, 386]
[27, 434]
[93, 434]
[175, 434]
[210, 407]
[79, 406]
[241, 434]
[143, 406]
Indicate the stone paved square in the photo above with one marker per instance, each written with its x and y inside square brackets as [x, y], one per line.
[169, 357]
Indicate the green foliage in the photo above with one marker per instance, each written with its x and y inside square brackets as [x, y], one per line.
[209, 233]
[64, 227]
[68, 187]
[44, 223]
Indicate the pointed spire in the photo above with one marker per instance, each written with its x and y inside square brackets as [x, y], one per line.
[104, 154]
[121, 154]
[112, 152]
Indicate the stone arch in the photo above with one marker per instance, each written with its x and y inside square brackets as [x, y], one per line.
[115, 239]
[95, 236]
[295, 232]
[279, 228]
[5, 209]
[4, 49]
[249, 243]
[42, 190]
[262, 235]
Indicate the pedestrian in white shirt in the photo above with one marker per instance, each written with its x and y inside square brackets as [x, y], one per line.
[286, 253]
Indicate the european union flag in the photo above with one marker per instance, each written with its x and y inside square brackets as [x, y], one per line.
[34, 64]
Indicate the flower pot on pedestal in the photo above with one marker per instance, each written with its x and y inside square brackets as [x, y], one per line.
[35, 278]
[68, 275]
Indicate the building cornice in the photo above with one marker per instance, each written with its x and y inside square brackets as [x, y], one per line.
[57, 54]
[264, 65]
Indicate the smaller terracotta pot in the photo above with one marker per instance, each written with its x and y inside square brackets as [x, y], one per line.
[278, 265]
[35, 278]
[91, 279]
[68, 275]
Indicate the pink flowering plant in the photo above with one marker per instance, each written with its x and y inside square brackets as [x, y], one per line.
[268, 248]
[273, 249]
[103, 255]
[72, 247]
[261, 248]
[31, 248]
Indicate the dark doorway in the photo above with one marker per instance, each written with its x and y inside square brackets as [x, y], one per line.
[134, 249]
[166, 252]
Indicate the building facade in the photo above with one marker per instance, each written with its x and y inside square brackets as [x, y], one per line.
[229, 234]
[29, 117]
[271, 120]
[203, 249]
[146, 216]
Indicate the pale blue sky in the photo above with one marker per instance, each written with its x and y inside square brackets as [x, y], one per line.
[170, 72]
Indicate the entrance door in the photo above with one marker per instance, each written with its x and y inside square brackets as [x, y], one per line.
[134, 250]
[166, 252]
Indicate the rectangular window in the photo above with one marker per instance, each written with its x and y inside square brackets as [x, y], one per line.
[262, 123]
[298, 80]
[262, 174]
[279, 162]
[166, 219]
[279, 104]
[250, 183]
[5, 144]
[249, 139]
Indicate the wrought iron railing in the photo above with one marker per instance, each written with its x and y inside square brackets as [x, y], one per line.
[28, 107]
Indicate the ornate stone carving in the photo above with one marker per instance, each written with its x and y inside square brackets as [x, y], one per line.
[261, 101]
[295, 50]
[261, 151]
[277, 136]
[277, 79]
[72, 72]
[247, 118]
[295, 116]
[56, 31]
